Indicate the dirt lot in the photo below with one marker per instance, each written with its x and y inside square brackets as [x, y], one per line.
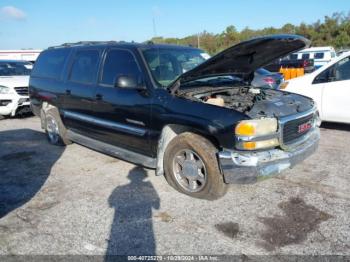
[56, 200]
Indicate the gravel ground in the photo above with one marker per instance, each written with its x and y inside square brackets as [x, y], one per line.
[56, 200]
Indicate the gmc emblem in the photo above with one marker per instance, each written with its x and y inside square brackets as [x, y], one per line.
[304, 127]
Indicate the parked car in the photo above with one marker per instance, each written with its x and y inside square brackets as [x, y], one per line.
[329, 87]
[14, 80]
[266, 79]
[200, 129]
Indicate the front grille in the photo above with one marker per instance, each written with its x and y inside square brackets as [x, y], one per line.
[291, 129]
[22, 91]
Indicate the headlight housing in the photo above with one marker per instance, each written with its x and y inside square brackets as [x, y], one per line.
[258, 127]
[5, 90]
[257, 134]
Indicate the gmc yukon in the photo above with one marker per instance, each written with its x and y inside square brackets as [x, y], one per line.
[195, 120]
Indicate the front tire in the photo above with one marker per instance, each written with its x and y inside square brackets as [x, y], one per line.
[55, 130]
[191, 167]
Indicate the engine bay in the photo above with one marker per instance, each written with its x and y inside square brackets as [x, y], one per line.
[254, 102]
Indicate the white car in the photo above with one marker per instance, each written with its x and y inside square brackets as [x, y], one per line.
[329, 87]
[14, 81]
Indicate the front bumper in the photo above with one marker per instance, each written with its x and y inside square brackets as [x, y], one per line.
[16, 103]
[240, 167]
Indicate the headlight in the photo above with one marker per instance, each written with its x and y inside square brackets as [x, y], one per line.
[257, 134]
[260, 127]
[5, 90]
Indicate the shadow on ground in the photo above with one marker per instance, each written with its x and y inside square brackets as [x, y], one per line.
[132, 227]
[26, 159]
[335, 126]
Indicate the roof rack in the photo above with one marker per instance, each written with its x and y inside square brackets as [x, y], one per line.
[82, 43]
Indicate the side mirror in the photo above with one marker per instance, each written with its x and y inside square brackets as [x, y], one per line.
[128, 82]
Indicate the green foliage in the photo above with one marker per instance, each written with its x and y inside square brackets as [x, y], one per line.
[332, 31]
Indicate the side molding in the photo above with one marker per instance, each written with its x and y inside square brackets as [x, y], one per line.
[118, 152]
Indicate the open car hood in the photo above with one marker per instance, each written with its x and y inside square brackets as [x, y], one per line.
[245, 57]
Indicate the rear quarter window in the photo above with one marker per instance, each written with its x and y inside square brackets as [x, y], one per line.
[50, 63]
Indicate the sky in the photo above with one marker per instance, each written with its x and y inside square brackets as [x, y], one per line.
[39, 24]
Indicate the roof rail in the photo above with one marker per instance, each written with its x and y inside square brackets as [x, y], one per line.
[82, 43]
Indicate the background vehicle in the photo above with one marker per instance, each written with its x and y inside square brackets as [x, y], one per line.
[329, 87]
[167, 107]
[320, 55]
[20, 55]
[14, 79]
[266, 79]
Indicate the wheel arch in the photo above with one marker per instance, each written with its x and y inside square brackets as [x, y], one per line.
[169, 132]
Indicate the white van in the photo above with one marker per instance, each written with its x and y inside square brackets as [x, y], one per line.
[320, 55]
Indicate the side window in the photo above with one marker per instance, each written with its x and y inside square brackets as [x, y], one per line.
[324, 76]
[119, 63]
[50, 63]
[338, 72]
[84, 67]
[319, 55]
[342, 71]
[293, 57]
[305, 56]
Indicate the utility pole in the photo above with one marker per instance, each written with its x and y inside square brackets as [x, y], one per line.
[154, 27]
[198, 41]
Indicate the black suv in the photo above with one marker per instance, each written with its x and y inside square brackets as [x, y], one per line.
[193, 119]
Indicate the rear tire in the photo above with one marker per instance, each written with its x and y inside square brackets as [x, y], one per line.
[191, 167]
[55, 130]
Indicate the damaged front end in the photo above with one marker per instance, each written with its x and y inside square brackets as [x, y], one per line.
[281, 132]
[279, 128]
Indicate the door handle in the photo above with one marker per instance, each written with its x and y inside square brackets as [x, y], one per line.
[99, 97]
[68, 92]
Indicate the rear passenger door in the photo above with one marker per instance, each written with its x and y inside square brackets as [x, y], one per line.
[124, 115]
[79, 90]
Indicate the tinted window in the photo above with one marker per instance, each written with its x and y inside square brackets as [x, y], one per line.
[319, 55]
[84, 67]
[342, 71]
[305, 56]
[50, 63]
[119, 63]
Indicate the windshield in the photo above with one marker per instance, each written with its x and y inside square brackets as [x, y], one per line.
[166, 64]
[15, 68]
